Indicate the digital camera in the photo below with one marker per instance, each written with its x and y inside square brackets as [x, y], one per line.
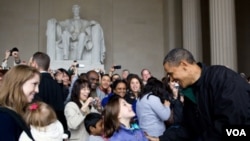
[12, 50]
[117, 67]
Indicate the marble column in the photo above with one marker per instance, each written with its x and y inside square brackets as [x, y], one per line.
[223, 33]
[172, 24]
[192, 39]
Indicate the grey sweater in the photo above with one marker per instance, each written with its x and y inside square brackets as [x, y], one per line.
[152, 114]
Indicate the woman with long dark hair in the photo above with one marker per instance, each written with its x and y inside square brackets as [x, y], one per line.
[78, 107]
[152, 109]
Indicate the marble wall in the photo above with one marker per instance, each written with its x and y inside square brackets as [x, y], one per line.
[133, 29]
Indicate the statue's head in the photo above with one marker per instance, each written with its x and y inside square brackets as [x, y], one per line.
[76, 9]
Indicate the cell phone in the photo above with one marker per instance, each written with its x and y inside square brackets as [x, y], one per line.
[176, 85]
[12, 50]
[80, 65]
[117, 67]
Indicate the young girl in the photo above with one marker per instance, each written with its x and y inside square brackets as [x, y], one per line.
[117, 126]
[43, 123]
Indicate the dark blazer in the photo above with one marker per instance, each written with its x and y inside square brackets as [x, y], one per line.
[51, 93]
[219, 98]
[222, 98]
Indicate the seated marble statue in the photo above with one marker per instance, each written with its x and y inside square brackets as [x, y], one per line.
[75, 39]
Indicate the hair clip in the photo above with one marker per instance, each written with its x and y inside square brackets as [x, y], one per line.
[33, 106]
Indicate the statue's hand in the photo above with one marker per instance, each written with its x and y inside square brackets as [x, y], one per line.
[59, 43]
[89, 45]
[93, 22]
[65, 57]
[102, 58]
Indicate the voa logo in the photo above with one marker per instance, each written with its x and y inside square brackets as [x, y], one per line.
[236, 132]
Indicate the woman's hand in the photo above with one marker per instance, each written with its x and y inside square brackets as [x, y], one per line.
[7, 54]
[89, 101]
[166, 103]
[152, 138]
[85, 106]
[97, 104]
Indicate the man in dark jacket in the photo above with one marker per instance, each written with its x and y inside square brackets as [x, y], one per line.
[215, 97]
[50, 91]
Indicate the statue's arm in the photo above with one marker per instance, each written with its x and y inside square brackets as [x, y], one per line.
[102, 44]
[51, 37]
[58, 33]
[60, 28]
[64, 24]
[51, 26]
[88, 33]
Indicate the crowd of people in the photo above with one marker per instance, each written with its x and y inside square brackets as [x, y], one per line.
[192, 102]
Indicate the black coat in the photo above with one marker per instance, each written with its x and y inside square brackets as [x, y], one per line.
[221, 98]
[51, 93]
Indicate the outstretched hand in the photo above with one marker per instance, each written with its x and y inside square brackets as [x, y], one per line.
[151, 138]
[7, 54]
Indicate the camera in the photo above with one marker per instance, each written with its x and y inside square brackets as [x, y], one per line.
[176, 85]
[117, 67]
[12, 50]
[78, 65]
[94, 102]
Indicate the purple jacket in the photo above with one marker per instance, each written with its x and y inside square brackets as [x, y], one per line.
[125, 134]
